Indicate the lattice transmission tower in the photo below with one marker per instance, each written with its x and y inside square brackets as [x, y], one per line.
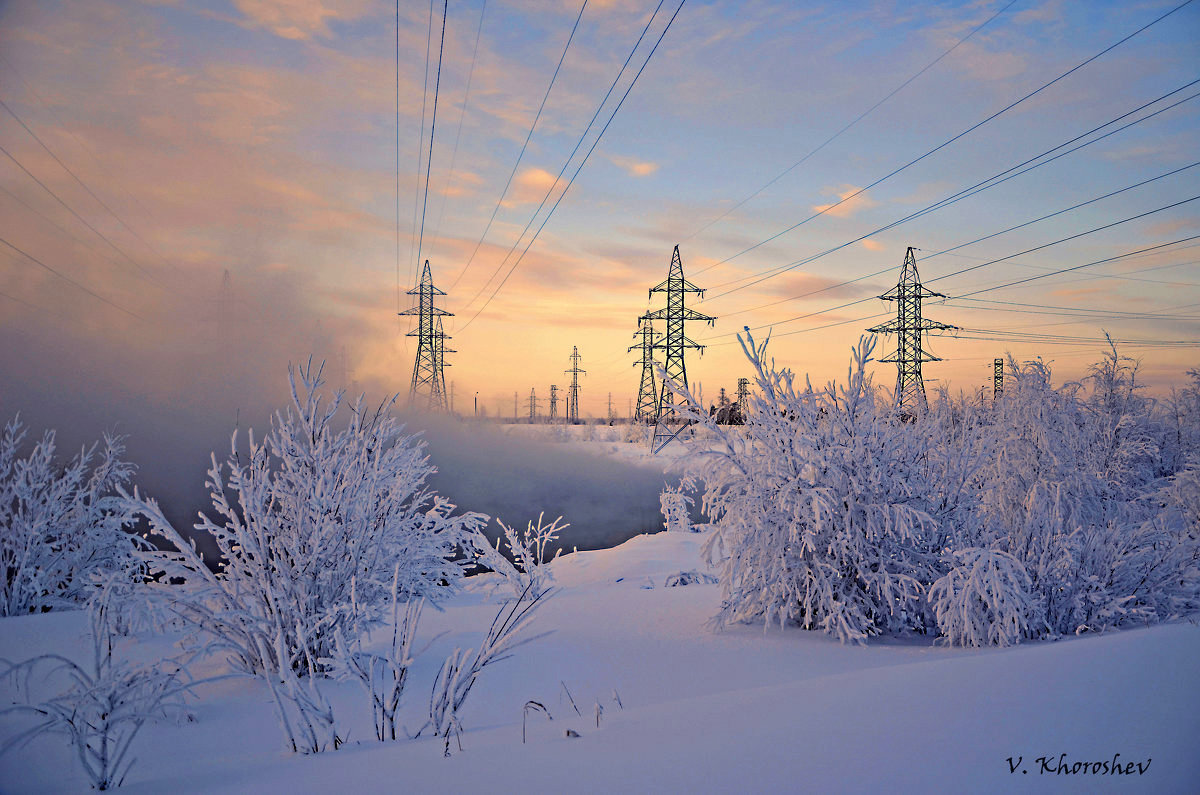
[910, 328]
[553, 402]
[533, 401]
[743, 393]
[647, 401]
[428, 389]
[997, 380]
[573, 391]
[674, 343]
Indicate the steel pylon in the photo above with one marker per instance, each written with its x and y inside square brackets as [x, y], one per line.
[428, 388]
[573, 391]
[674, 343]
[909, 328]
[647, 402]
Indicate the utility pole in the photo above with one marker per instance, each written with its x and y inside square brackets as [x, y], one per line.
[997, 380]
[573, 392]
[428, 388]
[610, 413]
[532, 405]
[674, 344]
[553, 402]
[909, 327]
[647, 402]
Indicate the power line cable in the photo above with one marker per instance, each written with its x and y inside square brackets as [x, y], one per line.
[582, 163]
[839, 133]
[461, 115]
[69, 280]
[145, 274]
[420, 145]
[570, 157]
[967, 131]
[525, 145]
[966, 193]
[79, 181]
[433, 127]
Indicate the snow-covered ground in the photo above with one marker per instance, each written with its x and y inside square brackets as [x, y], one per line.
[700, 711]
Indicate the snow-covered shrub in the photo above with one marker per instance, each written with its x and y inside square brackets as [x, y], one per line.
[676, 509]
[311, 523]
[691, 577]
[100, 707]
[383, 676]
[1059, 509]
[461, 669]
[528, 561]
[58, 529]
[813, 506]
[984, 600]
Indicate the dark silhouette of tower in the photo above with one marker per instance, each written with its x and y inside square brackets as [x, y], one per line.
[573, 392]
[428, 389]
[532, 404]
[743, 394]
[674, 344]
[997, 380]
[647, 402]
[553, 402]
[909, 328]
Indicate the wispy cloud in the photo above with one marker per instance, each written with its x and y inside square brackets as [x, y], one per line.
[847, 206]
[634, 167]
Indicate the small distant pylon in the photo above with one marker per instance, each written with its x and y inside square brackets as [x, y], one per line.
[515, 399]
[647, 402]
[573, 392]
[532, 404]
[997, 380]
[743, 393]
[675, 343]
[909, 327]
[611, 416]
[553, 403]
[428, 389]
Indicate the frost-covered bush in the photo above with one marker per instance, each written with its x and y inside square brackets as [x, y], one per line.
[311, 523]
[58, 529]
[984, 600]
[1060, 509]
[100, 706]
[528, 561]
[813, 506]
[676, 509]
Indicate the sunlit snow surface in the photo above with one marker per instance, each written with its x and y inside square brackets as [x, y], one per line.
[741, 710]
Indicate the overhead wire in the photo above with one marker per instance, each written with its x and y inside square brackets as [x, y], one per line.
[524, 146]
[70, 280]
[461, 115]
[850, 196]
[966, 193]
[582, 163]
[570, 157]
[432, 129]
[846, 128]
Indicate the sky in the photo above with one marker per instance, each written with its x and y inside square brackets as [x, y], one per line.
[219, 189]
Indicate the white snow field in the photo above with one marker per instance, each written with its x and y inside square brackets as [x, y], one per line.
[741, 710]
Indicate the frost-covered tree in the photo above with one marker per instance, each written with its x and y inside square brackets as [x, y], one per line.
[311, 523]
[58, 529]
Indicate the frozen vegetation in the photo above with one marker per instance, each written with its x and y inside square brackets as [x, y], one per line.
[340, 628]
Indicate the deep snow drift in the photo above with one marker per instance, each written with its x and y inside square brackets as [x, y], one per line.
[736, 710]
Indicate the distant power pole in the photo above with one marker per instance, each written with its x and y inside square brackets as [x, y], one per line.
[909, 328]
[553, 402]
[743, 392]
[647, 402]
[573, 392]
[722, 401]
[675, 343]
[428, 388]
[611, 417]
[997, 380]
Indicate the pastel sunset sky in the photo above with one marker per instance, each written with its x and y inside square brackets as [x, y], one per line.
[231, 199]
